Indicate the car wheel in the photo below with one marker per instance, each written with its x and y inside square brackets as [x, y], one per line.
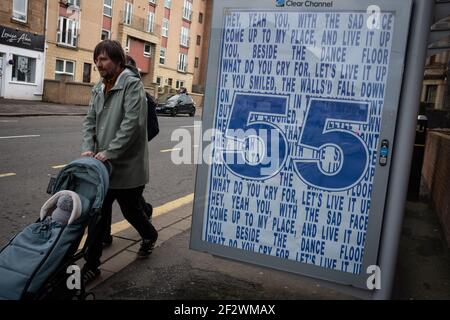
[192, 113]
[174, 112]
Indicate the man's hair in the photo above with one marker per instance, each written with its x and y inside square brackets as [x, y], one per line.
[130, 61]
[113, 50]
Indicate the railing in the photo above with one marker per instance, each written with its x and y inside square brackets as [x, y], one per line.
[139, 23]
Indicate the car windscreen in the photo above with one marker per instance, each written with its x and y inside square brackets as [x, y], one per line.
[174, 98]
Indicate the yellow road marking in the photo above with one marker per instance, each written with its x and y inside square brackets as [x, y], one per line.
[59, 166]
[7, 175]
[165, 208]
[169, 150]
[158, 211]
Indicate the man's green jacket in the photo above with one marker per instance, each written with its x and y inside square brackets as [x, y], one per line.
[117, 125]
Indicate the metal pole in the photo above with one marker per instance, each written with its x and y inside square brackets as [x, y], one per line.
[403, 145]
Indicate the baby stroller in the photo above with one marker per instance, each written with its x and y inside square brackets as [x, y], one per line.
[34, 264]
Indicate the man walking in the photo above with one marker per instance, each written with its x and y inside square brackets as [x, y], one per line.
[115, 129]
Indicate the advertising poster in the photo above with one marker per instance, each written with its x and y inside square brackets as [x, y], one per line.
[300, 105]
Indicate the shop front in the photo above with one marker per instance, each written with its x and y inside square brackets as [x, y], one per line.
[22, 62]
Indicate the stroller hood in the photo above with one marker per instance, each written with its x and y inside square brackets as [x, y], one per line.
[81, 172]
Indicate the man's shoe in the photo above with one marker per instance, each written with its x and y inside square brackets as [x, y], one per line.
[146, 248]
[89, 274]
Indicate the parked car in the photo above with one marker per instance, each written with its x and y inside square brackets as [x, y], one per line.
[173, 105]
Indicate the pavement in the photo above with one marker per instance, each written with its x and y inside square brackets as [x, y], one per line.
[25, 108]
[174, 272]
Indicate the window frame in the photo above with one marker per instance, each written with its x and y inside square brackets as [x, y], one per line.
[431, 93]
[150, 26]
[20, 13]
[109, 34]
[196, 62]
[179, 84]
[199, 40]
[149, 53]
[164, 29]
[109, 7]
[187, 10]
[65, 68]
[15, 70]
[127, 44]
[162, 49]
[184, 35]
[128, 13]
[76, 3]
[200, 17]
[182, 62]
[73, 41]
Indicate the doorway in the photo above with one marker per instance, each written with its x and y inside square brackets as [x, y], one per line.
[87, 73]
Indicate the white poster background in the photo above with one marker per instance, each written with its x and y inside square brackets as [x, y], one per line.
[340, 56]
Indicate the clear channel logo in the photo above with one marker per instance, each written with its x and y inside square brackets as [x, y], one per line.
[280, 3]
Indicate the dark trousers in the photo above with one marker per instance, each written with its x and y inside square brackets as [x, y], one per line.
[131, 205]
[108, 234]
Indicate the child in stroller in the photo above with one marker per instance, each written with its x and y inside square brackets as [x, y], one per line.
[34, 264]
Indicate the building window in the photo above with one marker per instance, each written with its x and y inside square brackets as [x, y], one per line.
[179, 84]
[20, 9]
[75, 3]
[67, 32]
[150, 21]
[152, 1]
[24, 69]
[159, 81]
[127, 45]
[165, 28]
[167, 3]
[169, 81]
[107, 8]
[184, 37]
[147, 49]
[200, 17]
[196, 62]
[182, 62]
[162, 55]
[65, 67]
[128, 12]
[199, 40]
[87, 73]
[431, 94]
[106, 34]
[187, 10]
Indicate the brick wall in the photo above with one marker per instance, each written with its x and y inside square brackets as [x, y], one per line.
[63, 92]
[75, 93]
[436, 175]
[35, 16]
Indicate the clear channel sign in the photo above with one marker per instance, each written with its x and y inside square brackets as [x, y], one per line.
[302, 98]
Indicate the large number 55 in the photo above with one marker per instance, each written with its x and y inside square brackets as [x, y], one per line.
[255, 148]
[340, 156]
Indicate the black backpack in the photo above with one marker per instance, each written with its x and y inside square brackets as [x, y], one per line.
[152, 118]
